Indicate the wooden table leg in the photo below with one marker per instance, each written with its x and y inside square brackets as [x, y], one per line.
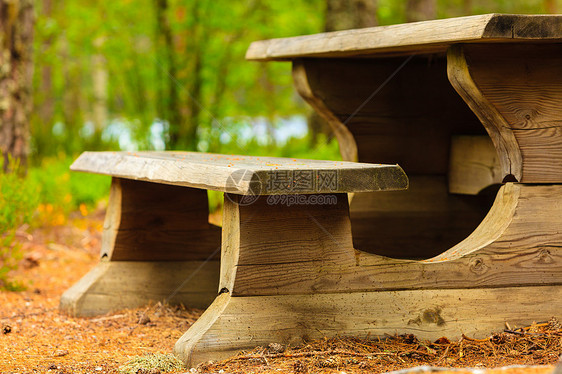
[157, 245]
[515, 90]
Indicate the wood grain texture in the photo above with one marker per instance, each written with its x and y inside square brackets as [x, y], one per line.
[301, 234]
[157, 222]
[524, 85]
[115, 285]
[514, 245]
[408, 119]
[419, 223]
[406, 114]
[495, 123]
[412, 38]
[232, 324]
[473, 165]
[346, 141]
[244, 175]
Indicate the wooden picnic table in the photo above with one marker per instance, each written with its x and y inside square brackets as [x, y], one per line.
[389, 95]
[470, 108]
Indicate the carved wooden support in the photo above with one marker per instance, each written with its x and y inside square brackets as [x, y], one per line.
[155, 237]
[515, 90]
[398, 110]
[290, 273]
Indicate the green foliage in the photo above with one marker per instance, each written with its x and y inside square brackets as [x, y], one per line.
[18, 200]
[125, 35]
[65, 190]
[45, 196]
[163, 363]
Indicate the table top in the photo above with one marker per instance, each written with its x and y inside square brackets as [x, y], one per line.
[244, 175]
[418, 37]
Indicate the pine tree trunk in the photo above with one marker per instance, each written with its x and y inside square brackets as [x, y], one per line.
[100, 81]
[16, 36]
[421, 10]
[44, 105]
[550, 6]
[467, 7]
[167, 68]
[350, 14]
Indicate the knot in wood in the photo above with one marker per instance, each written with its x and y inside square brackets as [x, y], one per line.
[545, 257]
[477, 266]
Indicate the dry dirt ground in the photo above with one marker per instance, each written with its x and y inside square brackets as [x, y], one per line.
[36, 338]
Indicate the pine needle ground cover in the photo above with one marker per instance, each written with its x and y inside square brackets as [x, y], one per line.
[36, 338]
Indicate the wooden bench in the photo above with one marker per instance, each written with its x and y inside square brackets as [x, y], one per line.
[158, 244]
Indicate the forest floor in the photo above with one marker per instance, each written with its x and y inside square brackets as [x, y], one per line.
[36, 338]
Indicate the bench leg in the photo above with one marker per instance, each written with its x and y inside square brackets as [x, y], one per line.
[157, 245]
[308, 231]
[290, 274]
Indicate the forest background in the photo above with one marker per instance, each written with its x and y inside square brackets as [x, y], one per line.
[161, 75]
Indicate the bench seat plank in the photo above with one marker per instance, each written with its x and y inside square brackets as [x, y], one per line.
[433, 36]
[244, 175]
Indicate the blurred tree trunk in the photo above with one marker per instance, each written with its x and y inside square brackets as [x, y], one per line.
[168, 96]
[350, 14]
[72, 97]
[550, 6]
[421, 10]
[342, 15]
[16, 37]
[467, 7]
[99, 80]
[188, 134]
[46, 103]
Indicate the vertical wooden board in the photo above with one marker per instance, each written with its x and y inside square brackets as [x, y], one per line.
[496, 125]
[112, 219]
[536, 224]
[474, 164]
[162, 222]
[230, 249]
[278, 229]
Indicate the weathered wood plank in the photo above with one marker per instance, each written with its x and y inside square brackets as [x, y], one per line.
[495, 123]
[474, 164]
[232, 324]
[408, 119]
[244, 175]
[514, 245]
[301, 233]
[158, 222]
[418, 223]
[114, 285]
[412, 38]
[524, 84]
